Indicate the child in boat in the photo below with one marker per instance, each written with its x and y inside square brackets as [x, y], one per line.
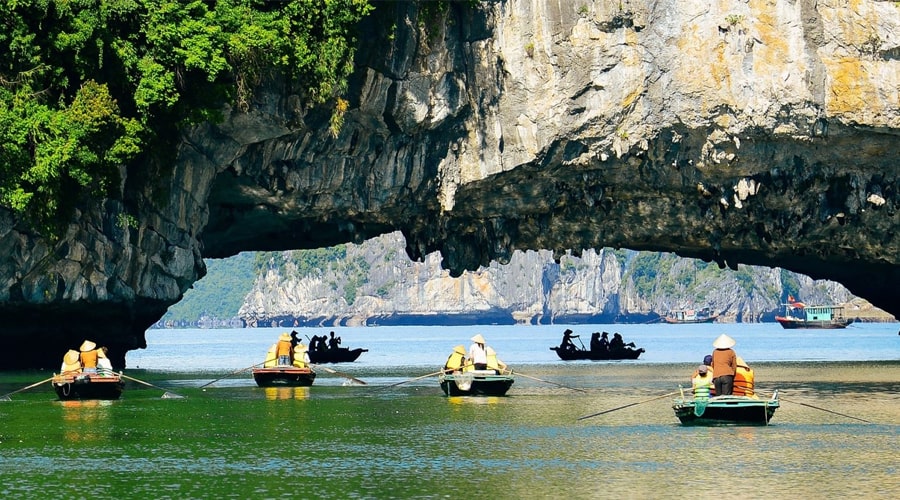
[702, 382]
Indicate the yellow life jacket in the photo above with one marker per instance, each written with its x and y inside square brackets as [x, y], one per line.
[455, 361]
[271, 359]
[702, 385]
[493, 363]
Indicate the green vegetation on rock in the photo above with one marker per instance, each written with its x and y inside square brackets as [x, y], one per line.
[87, 86]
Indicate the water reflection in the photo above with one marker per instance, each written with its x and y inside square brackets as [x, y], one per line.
[276, 393]
[86, 420]
[472, 400]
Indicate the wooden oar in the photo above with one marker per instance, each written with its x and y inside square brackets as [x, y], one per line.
[5, 397]
[823, 409]
[512, 372]
[234, 373]
[166, 394]
[628, 405]
[329, 370]
[414, 379]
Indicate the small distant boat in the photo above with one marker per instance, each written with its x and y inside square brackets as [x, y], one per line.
[598, 355]
[284, 376]
[799, 315]
[475, 383]
[105, 385]
[690, 316]
[726, 410]
[339, 355]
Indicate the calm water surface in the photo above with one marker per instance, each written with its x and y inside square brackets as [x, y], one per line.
[336, 440]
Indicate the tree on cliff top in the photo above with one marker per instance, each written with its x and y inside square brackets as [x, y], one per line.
[86, 86]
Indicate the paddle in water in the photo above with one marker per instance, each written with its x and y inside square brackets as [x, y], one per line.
[5, 397]
[627, 406]
[166, 394]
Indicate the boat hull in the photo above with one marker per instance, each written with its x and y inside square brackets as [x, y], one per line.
[673, 321]
[341, 355]
[88, 386]
[284, 377]
[726, 410]
[476, 383]
[581, 354]
[791, 324]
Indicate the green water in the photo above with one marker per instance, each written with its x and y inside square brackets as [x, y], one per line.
[333, 441]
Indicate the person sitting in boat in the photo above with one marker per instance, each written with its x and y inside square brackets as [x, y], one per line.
[88, 357]
[334, 342]
[702, 382]
[493, 362]
[478, 353]
[104, 365]
[707, 361]
[567, 344]
[724, 363]
[283, 350]
[295, 340]
[301, 356]
[598, 343]
[743, 379]
[456, 360]
[71, 364]
[617, 342]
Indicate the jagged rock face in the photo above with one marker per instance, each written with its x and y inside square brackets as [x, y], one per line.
[376, 284]
[759, 131]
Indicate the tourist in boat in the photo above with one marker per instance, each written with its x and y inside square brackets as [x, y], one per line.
[603, 344]
[743, 379]
[478, 353]
[701, 382]
[334, 342]
[283, 350]
[104, 365]
[71, 363]
[567, 344]
[618, 342]
[301, 356]
[295, 340]
[493, 362]
[456, 360]
[88, 357]
[595, 344]
[724, 363]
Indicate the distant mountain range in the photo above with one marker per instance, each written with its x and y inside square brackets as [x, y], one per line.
[375, 283]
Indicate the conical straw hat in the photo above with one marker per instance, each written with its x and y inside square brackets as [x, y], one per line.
[459, 349]
[478, 339]
[71, 357]
[87, 345]
[285, 336]
[724, 342]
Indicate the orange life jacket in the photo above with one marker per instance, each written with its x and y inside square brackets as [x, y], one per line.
[743, 381]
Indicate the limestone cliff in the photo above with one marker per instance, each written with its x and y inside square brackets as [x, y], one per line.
[375, 284]
[760, 132]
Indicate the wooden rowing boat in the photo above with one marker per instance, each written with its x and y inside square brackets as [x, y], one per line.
[475, 383]
[726, 410]
[284, 376]
[339, 355]
[105, 385]
[597, 355]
